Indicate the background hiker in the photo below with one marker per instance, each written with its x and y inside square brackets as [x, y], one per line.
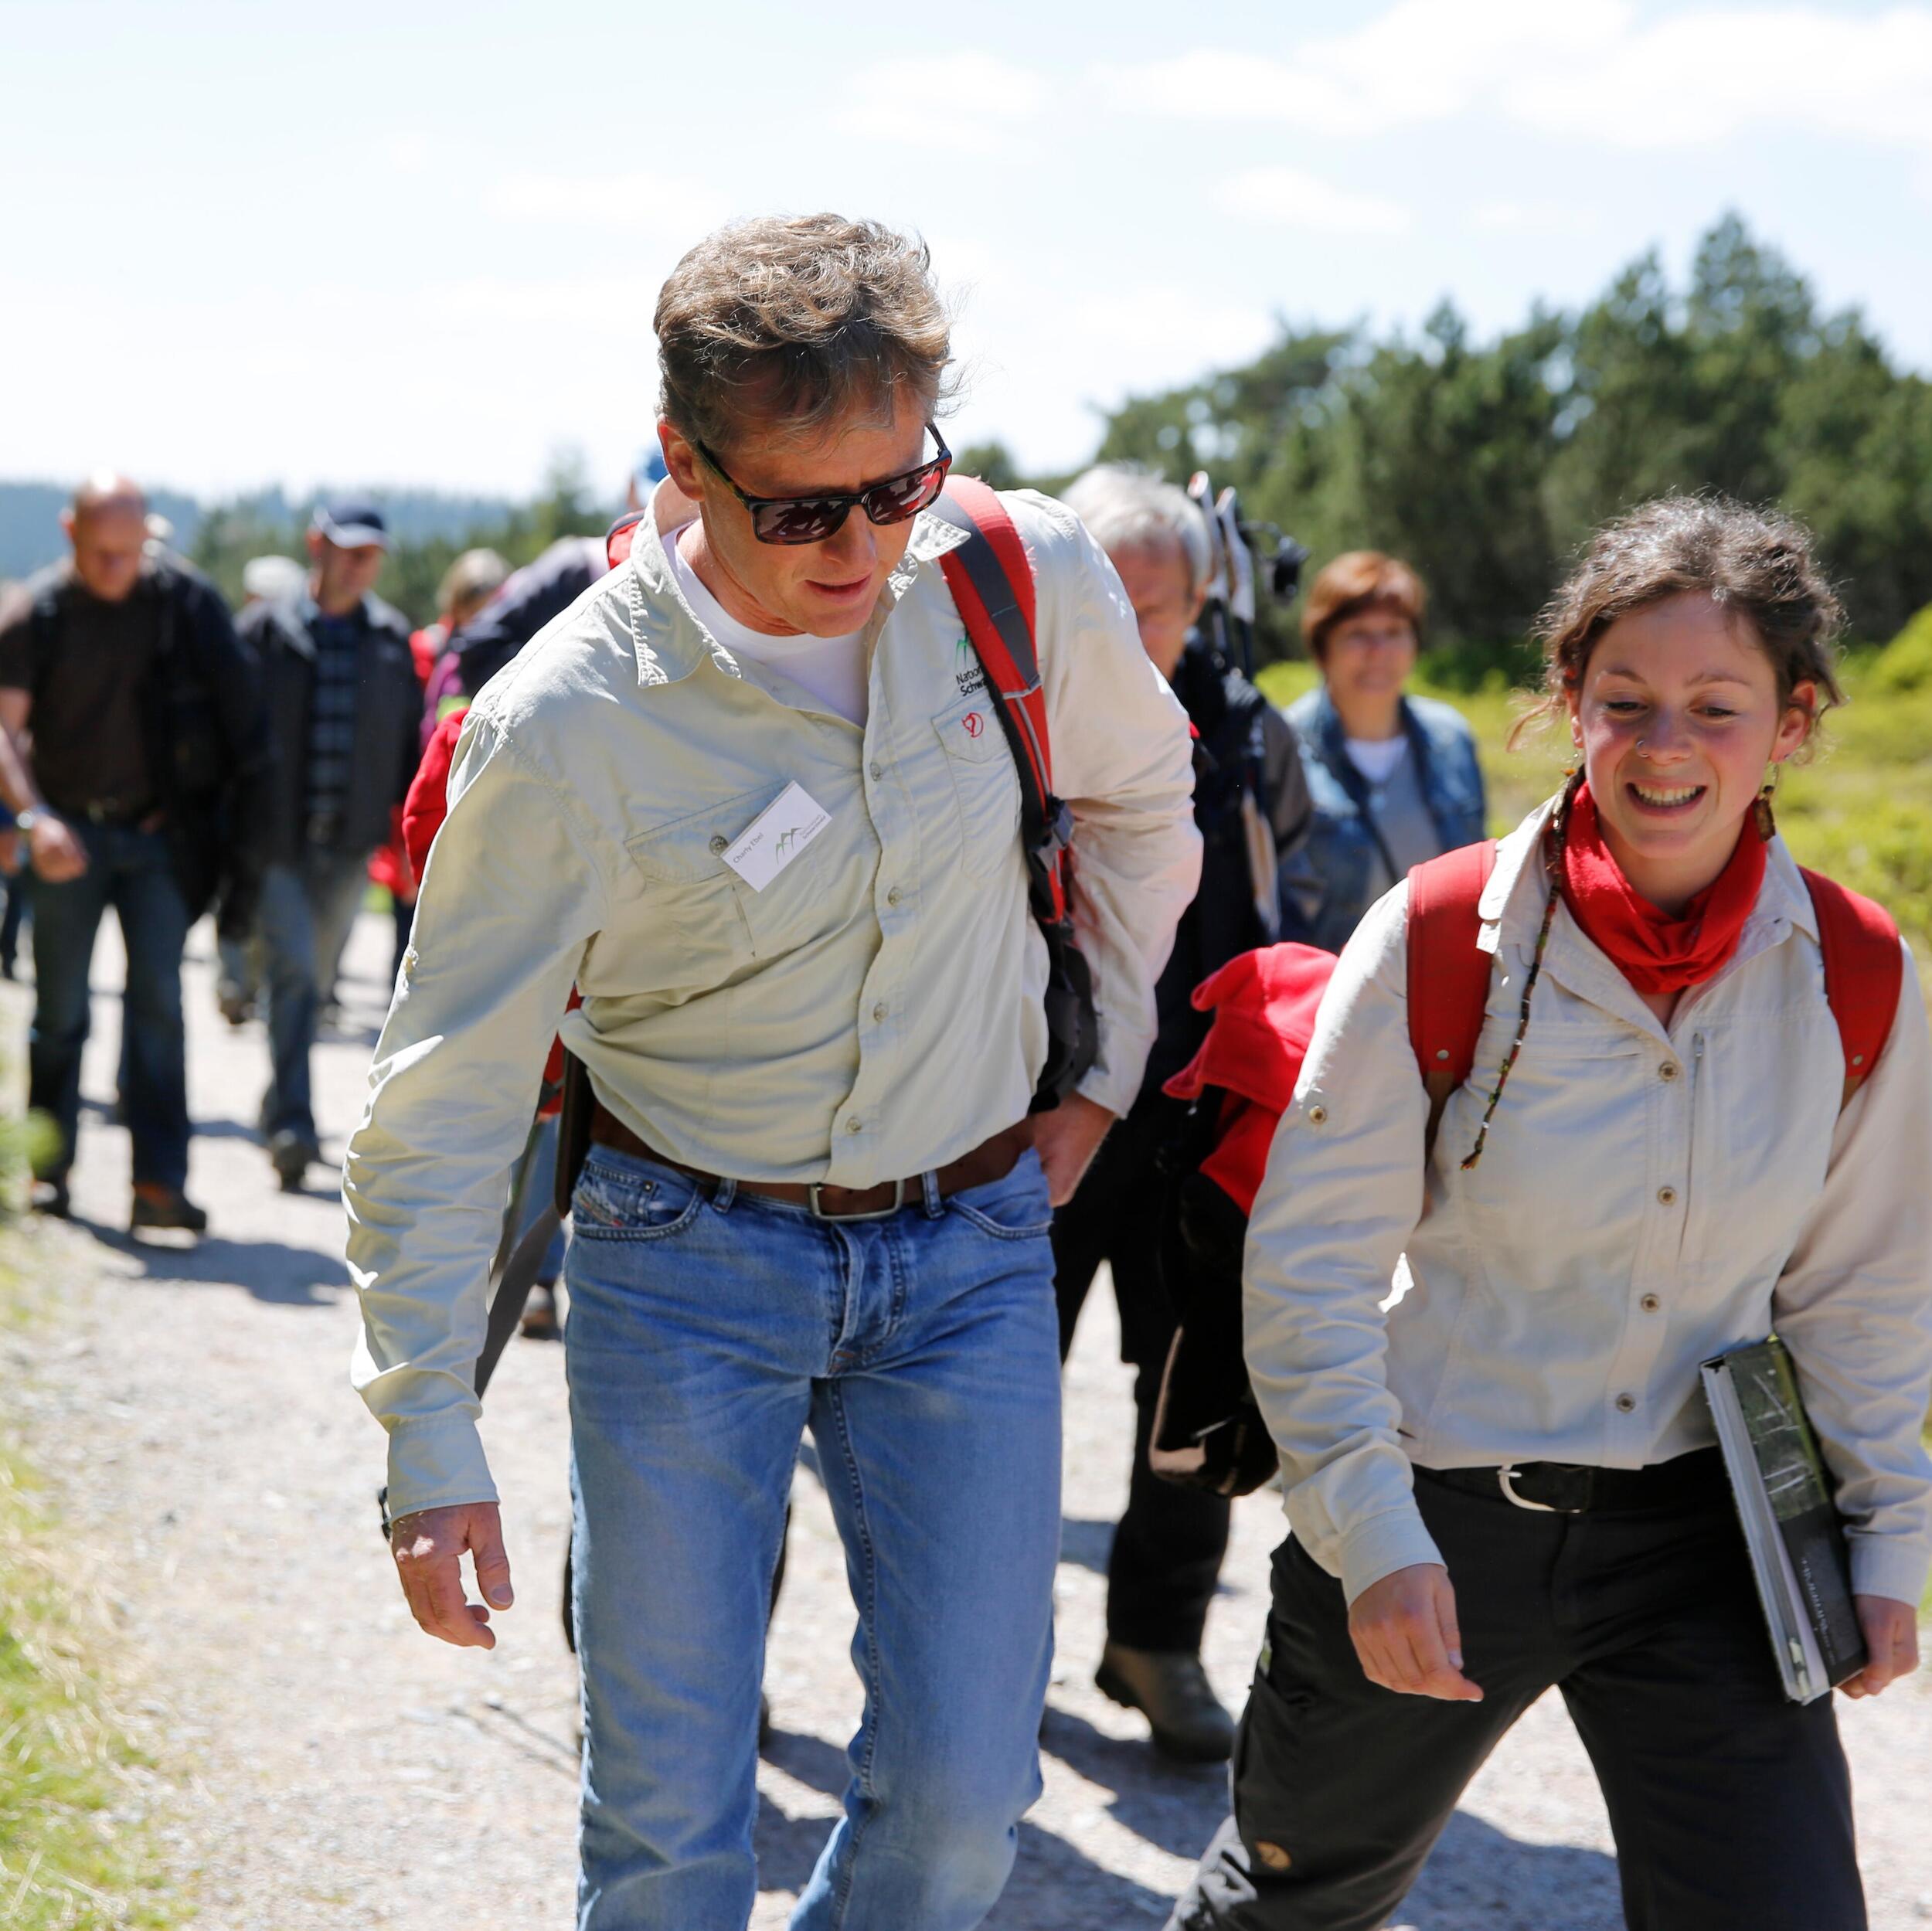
[346, 708]
[1394, 779]
[1166, 1550]
[134, 755]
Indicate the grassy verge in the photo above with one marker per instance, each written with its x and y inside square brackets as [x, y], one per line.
[75, 1853]
[1860, 809]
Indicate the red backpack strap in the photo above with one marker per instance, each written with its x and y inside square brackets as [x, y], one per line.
[992, 581]
[990, 578]
[1448, 971]
[1864, 972]
[619, 538]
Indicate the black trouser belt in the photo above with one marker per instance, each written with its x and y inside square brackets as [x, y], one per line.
[1574, 1488]
[112, 812]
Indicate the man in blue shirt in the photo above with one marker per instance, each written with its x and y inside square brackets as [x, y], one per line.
[344, 706]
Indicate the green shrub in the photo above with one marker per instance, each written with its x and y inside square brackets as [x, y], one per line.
[1905, 663]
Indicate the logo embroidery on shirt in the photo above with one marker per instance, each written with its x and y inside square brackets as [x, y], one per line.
[968, 674]
[974, 722]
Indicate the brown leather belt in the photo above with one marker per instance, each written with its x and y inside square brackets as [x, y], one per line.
[991, 1160]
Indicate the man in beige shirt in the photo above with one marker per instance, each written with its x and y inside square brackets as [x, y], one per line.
[745, 795]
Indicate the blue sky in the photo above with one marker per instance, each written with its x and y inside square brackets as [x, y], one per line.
[411, 243]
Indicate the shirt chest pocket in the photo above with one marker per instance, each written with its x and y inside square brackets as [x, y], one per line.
[717, 922]
[985, 786]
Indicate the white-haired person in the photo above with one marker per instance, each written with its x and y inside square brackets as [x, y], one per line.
[1503, 1479]
[1166, 1552]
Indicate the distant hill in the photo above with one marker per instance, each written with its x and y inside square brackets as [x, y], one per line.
[30, 529]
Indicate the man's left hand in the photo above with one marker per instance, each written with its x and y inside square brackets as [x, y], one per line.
[1066, 1139]
[1891, 1631]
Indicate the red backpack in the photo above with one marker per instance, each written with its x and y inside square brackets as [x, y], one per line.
[1207, 1432]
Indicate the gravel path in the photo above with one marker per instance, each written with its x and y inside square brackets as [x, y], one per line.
[327, 1765]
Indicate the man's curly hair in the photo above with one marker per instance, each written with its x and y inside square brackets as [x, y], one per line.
[777, 325]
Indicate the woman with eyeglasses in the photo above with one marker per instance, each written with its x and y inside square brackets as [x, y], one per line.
[1501, 1480]
[1393, 778]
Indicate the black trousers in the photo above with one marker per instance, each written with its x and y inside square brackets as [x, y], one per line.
[1732, 1808]
[1168, 1549]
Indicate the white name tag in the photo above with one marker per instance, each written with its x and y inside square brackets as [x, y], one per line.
[776, 836]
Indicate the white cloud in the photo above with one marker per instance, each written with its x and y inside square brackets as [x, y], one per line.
[1707, 75]
[971, 103]
[1421, 60]
[1591, 68]
[1287, 197]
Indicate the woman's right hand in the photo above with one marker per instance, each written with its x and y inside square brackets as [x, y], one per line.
[1404, 1631]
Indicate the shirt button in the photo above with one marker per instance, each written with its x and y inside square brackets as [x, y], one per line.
[877, 770]
[855, 1126]
[1317, 1114]
[879, 1012]
[1667, 1196]
[1625, 1403]
[1650, 1303]
[1668, 1070]
[894, 896]
[719, 843]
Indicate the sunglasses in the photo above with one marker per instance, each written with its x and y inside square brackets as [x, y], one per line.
[811, 519]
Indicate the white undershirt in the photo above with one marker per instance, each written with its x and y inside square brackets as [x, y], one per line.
[1376, 758]
[832, 668]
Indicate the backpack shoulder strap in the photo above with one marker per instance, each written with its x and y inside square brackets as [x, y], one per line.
[992, 581]
[1448, 972]
[622, 535]
[1864, 972]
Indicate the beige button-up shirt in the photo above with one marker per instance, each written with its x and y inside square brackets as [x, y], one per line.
[873, 1012]
[1648, 1196]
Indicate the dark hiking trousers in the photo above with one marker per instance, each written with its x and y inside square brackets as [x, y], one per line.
[1731, 1807]
[1166, 1552]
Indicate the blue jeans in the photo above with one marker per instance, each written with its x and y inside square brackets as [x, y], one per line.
[307, 910]
[705, 1335]
[131, 871]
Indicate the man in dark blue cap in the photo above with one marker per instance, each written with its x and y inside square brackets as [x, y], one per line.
[344, 706]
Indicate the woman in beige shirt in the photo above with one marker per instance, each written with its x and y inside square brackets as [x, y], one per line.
[1500, 1479]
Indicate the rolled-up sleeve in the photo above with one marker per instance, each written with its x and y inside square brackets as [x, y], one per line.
[1854, 1305]
[1342, 1194]
[1123, 760]
[512, 894]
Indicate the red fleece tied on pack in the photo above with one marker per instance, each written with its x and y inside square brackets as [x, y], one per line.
[1654, 951]
[1264, 1004]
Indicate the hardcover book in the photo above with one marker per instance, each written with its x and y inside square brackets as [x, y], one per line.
[1791, 1526]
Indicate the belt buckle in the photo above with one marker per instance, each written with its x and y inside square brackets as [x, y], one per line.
[876, 1213]
[1506, 1476]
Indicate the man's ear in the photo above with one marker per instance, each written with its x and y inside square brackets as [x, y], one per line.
[67, 521]
[681, 461]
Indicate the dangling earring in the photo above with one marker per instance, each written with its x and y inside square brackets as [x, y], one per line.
[1761, 807]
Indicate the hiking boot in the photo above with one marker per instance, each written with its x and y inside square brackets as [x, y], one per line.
[291, 1155]
[50, 1197]
[164, 1207]
[1171, 1689]
[540, 1321]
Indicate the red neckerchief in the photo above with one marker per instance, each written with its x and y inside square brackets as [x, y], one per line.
[1655, 952]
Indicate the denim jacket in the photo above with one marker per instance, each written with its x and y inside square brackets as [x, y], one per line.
[1331, 880]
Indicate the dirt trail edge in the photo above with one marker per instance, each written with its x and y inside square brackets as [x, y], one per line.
[331, 1767]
